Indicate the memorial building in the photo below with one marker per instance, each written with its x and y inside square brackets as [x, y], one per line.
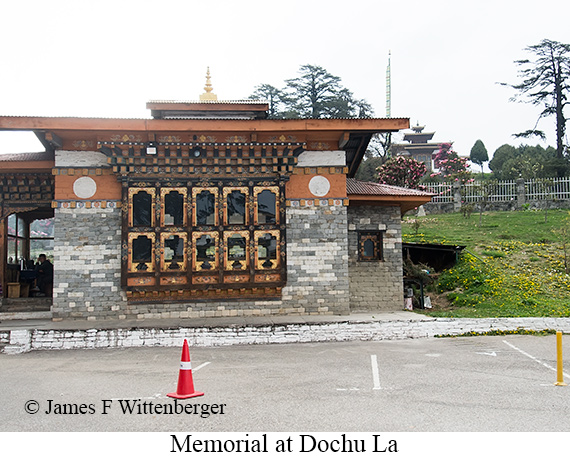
[206, 208]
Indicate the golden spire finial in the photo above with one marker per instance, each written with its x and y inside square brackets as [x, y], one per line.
[208, 95]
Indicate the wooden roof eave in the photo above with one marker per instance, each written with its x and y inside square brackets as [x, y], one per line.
[184, 125]
[38, 166]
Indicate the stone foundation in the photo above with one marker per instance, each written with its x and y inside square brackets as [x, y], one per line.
[24, 340]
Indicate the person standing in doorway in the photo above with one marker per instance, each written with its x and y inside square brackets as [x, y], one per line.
[44, 269]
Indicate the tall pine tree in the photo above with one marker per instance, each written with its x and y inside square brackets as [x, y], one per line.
[546, 82]
[315, 93]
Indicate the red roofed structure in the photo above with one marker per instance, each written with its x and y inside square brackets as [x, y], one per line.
[206, 209]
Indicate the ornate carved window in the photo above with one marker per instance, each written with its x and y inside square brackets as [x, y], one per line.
[236, 246]
[267, 250]
[236, 206]
[370, 246]
[173, 251]
[205, 206]
[173, 206]
[266, 199]
[195, 239]
[141, 248]
[141, 202]
[205, 251]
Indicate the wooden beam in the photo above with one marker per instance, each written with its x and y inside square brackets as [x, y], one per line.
[54, 139]
[343, 140]
[358, 154]
[49, 140]
[55, 124]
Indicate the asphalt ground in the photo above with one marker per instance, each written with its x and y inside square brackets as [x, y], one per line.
[469, 384]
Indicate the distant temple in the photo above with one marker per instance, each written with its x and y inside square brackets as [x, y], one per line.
[418, 147]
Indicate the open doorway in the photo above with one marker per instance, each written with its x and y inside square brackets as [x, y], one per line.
[28, 241]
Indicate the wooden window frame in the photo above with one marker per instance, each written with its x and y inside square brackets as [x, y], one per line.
[258, 190]
[165, 264]
[214, 191]
[163, 193]
[226, 192]
[377, 237]
[221, 278]
[132, 266]
[197, 235]
[132, 192]
[275, 263]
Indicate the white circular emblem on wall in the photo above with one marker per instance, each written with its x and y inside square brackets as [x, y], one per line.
[319, 186]
[84, 187]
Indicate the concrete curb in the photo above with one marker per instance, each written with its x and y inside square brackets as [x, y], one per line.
[17, 341]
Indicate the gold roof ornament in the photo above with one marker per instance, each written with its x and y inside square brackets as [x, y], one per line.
[208, 95]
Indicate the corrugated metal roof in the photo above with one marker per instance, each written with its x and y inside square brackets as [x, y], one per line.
[212, 102]
[353, 119]
[355, 187]
[26, 157]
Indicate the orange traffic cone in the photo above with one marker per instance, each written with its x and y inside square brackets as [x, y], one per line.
[185, 387]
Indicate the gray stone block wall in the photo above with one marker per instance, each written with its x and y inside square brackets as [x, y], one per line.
[212, 308]
[87, 276]
[376, 286]
[87, 263]
[317, 255]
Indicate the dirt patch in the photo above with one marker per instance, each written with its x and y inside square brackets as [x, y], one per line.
[439, 302]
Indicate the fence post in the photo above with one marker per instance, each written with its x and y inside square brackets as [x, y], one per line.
[456, 197]
[521, 194]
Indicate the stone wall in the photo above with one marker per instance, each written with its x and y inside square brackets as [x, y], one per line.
[87, 280]
[317, 254]
[87, 263]
[24, 340]
[211, 308]
[376, 286]
[317, 274]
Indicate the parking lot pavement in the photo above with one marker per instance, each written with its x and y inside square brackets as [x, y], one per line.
[499, 383]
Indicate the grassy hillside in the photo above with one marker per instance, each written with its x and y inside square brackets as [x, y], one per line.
[513, 265]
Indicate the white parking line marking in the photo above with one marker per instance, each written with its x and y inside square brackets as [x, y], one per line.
[375, 374]
[533, 358]
[201, 366]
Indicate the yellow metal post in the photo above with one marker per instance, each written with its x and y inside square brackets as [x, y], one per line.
[559, 369]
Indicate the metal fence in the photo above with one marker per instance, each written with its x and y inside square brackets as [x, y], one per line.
[547, 189]
[443, 191]
[501, 191]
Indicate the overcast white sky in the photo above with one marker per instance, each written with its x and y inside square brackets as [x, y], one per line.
[108, 58]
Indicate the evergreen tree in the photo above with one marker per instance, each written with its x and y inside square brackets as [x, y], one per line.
[527, 162]
[500, 157]
[315, 93]
[273, 97]
[479, 154]
[545, 82]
